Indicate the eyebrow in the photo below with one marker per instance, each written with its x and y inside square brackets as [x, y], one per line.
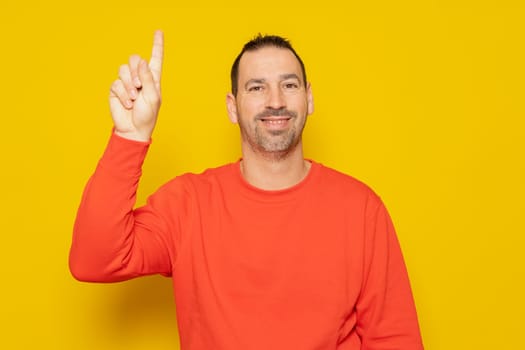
[282, 77]
[289, 76]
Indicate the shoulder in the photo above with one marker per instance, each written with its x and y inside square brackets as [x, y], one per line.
[335, 178]
[198, 181]
[210, 175]
[344, 186]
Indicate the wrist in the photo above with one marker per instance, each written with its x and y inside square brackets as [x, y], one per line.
[133, 135]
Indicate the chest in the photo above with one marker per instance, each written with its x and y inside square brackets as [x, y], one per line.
[288, 253]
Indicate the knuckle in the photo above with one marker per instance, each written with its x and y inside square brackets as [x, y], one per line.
[116, 85]
[117, 89]
[123, 70]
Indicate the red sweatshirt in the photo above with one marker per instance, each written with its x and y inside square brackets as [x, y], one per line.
[315, 266]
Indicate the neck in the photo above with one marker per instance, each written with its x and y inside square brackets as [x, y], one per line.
[274, 172]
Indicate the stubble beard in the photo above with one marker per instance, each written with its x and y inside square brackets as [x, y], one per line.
[275, 141]
[272, 144]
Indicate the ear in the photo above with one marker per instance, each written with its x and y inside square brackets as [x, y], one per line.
[231, 105]
[310, 99]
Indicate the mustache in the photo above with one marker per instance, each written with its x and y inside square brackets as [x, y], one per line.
[279, 112]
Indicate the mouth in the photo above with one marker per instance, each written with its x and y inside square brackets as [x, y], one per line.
[275, 120]
[275, 124]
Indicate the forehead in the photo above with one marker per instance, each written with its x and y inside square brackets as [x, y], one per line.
[268, 62]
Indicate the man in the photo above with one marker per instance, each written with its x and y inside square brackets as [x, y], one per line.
[271, 252]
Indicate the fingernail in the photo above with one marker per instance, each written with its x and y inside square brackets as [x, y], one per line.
[128, 104]
[133, 93]
[136, 81]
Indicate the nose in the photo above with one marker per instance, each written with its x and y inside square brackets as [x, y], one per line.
[275, 98]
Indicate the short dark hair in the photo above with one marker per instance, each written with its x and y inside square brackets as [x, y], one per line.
[259, 42]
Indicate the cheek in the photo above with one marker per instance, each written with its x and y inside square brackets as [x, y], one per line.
[298, 101]
[250, 107]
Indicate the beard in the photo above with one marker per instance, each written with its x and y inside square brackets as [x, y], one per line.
[272, 143]
[275, 140]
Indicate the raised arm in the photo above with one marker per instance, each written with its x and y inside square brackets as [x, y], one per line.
[111, 240]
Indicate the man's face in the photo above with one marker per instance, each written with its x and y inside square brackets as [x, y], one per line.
[272, 102]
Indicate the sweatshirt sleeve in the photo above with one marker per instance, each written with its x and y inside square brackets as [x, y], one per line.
[112, 241]
[386, 314]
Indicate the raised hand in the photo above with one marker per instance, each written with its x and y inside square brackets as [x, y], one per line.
[135, 96]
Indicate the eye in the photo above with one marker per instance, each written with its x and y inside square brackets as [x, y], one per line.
[291, 86]
[255, 88]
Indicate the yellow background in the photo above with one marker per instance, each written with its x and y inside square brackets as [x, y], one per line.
[423, 100]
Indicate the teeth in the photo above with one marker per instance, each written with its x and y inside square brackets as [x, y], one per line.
[275, 122]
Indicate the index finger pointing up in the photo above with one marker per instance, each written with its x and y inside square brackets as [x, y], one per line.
[157, 53]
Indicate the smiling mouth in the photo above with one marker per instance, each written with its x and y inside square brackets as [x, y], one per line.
[275, 119]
